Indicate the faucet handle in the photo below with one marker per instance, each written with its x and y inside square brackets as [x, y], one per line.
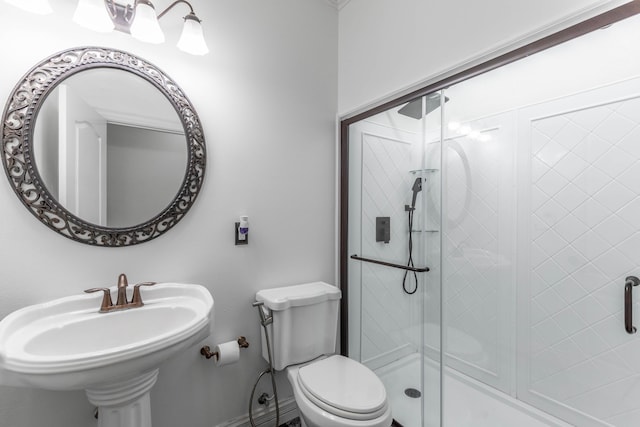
[136, 300]
[106, 298]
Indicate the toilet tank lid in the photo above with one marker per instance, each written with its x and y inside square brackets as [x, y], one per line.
[298, 295]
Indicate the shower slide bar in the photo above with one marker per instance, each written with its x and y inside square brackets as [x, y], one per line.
[389, 264]
[630, 282]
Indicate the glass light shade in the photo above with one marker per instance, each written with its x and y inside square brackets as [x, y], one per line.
[145, 26]
[93, 14]
[41, 7]
[192, 37]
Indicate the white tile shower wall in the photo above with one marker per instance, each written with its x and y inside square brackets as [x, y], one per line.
[478, 265]
[581, 241]
[387, 313]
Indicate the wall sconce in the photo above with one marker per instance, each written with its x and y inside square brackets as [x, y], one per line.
[41, 7]
[139, 20]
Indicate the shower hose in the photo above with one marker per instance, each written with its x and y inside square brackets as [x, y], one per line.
[265, 321]
[410, 261]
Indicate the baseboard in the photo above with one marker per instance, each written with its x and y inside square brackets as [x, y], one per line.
[266, 417]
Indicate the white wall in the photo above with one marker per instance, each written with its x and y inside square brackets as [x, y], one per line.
[390, 47]
[145, 168]
[266, 95]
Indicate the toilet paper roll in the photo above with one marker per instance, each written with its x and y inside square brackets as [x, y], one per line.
[228, 352]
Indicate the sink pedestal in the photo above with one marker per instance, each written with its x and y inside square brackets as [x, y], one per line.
[125, 403]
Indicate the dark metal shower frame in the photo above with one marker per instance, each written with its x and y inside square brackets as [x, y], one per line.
[607, 18]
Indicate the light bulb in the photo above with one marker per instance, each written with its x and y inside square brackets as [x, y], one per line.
[93, 14]
[145, 26]
[192, 38]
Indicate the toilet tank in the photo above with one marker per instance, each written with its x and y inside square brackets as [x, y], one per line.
[305, 322]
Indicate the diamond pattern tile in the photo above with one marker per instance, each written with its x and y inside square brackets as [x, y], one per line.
[387, 313]
[588, 198]
[591, 148]
[473, 249]
[551, 182]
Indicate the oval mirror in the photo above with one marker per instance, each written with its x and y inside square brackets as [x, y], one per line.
[103, 147]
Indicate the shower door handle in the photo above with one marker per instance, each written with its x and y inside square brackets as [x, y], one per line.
[630, 282]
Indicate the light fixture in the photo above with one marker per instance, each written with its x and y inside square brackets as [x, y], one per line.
[41, 7]
[145, 26]
[92, 14]
[192, 37]
[141, 21]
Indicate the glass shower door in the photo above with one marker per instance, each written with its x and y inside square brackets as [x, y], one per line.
[394, 304]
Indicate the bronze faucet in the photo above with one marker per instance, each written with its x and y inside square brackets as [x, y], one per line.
[122, 290]
[121, 303]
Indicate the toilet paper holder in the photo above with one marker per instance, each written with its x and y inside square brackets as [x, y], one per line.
[206, 350]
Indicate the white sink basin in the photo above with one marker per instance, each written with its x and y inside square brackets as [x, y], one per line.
[67, 344]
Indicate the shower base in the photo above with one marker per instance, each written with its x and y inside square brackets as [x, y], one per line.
[467, 402]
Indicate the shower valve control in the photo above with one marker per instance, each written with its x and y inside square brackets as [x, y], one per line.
[383, 229]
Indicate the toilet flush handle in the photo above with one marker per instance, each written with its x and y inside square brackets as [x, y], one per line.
[264, 319]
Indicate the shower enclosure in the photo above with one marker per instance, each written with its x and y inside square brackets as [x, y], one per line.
[491, 240]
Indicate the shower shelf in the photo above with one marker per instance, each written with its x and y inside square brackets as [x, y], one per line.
[415, 171]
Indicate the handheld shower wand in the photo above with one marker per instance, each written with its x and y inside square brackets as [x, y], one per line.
[416, 188]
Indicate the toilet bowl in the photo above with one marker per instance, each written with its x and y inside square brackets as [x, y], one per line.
[339, 392]
[330, 390]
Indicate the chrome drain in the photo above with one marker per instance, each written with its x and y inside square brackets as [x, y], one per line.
[412, 392]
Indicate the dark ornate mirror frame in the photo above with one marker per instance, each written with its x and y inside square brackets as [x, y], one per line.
[17, 143]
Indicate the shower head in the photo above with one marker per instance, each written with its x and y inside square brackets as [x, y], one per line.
[413, 108]
[416, 188]
[417, 185]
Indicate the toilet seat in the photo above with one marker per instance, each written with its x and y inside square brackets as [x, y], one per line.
[343, 387]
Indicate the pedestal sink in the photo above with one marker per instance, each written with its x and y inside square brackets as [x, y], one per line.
[66, 344]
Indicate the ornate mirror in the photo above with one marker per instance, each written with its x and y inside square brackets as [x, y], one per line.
[103, 147]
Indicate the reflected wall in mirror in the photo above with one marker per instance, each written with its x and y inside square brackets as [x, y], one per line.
[103, 147]
[109, 147]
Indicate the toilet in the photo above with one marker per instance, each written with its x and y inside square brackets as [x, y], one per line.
[330, 390]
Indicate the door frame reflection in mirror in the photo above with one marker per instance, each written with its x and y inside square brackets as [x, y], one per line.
[19, 118]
